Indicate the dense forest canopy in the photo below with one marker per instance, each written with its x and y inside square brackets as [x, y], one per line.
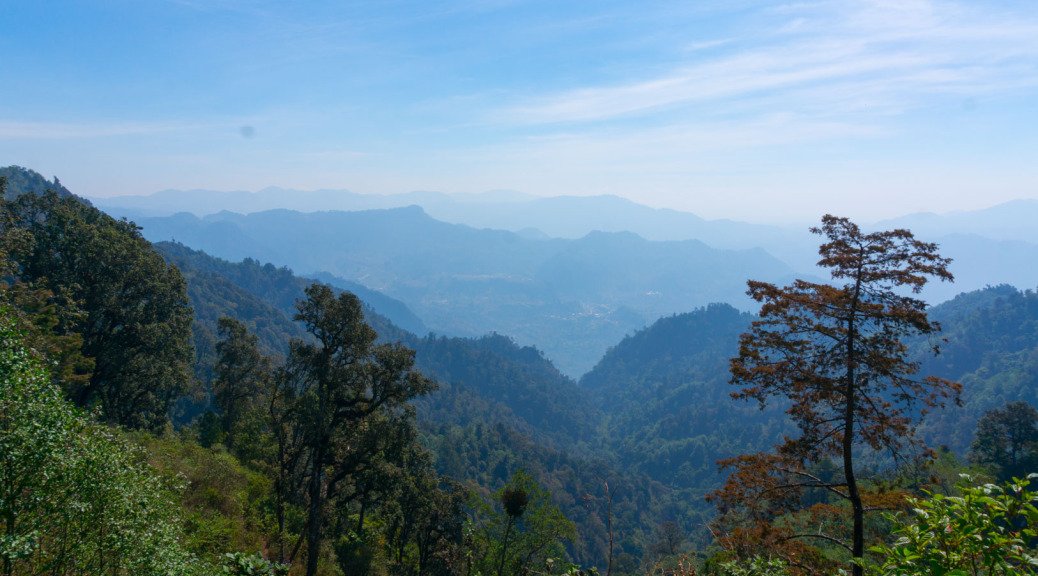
[115, 293]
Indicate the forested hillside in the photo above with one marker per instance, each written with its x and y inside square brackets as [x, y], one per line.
[992, 349]
[311, 429]
[22, 181]
[538, 399]
[676, 371]
[282, 446]
[280, 288]
[499, 407]
[665, 394]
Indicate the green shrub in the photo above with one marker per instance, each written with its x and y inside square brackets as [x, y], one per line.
[988, 530]
[74, 497]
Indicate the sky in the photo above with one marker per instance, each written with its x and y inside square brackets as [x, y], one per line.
[756, 111]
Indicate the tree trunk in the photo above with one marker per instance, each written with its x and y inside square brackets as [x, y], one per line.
[280, 487]
[858, 536]
[504, 547]
[313, 537]
[360, 517]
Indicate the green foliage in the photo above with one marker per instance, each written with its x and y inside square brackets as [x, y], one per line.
[240, 564]
[755, 566]
[243, 377]
[1007, 439]
[225, 506]
[521, 531]
[486, 455]
[988, 530]
[129, 309]
[667, 537]
[75, 498]
[343, 402]
[422, 517]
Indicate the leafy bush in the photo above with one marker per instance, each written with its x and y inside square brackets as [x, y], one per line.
[75, 498]
[241, 564]
[989, 530]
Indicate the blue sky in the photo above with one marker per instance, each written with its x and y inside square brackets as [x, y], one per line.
[757, 111]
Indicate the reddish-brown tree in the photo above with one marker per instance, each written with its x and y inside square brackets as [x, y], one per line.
[837, 354]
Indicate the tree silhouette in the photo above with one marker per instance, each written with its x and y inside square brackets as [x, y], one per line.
[836, 354]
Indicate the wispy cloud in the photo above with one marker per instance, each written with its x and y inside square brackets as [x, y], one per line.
[669, 148]
[813, 53]
[698, 46]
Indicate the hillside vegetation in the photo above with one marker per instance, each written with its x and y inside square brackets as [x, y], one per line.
[260, 418]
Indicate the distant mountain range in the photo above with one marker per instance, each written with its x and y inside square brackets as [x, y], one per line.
[531, 216]
[991, 246]
[568, 274]
[572, 298]
[1010, 221]
[569, 216]
[206, 202]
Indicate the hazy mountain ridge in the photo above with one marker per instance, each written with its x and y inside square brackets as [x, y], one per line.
[205, 202]
[572, 298]
[555, 217]
[1013, 220]
[978, 262]
[990, 246]
[569, 216]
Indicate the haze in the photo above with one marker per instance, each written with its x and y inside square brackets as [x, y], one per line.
[744, 110]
